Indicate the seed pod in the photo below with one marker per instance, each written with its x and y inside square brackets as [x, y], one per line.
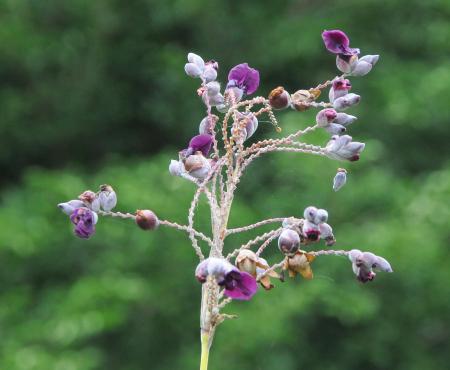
[279, 98]
[146, 220]
[288, 242]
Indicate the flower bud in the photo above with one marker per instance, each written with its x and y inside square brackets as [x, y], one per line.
[326, 233]
[321, 216]
[301, 99]
[340, 87]
[90, 200]
[214, 100]
[346, 63]
[288, 242]
[146, 219]
[361, 69]
[325, 117]
[197, 60]
[340, 179]
[209, 73]
[344, 119]
[233, 94]
[107, 197]
[175, 168]
[197, 166]
[279, 98]
[310, 213]
[346, 101]
[311, 231]
[207, 124]
[192, 70]
[70, 206]
[335, 129]
[372, 59]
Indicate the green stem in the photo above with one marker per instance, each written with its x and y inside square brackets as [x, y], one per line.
[205, 351]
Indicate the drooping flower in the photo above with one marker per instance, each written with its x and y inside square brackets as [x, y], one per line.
[84, 220]
[346, 101]
[340, 179]
[340, 87]
[237, 284]
[244, 77]
[342, 148]
[364, 65]
[337, 42]
[299, 264]
[363, 264]
[325, 117]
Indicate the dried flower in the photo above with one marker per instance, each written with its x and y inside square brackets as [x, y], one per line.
[244, 77]
[265, 280]
[301, 100]
[346, 101]
[364, 262]
[340, 179]
[279, 98]
[107, 197]
[197, 166]
[342, 148]
[84, 220]
[299, 264]
[337, 42]
[146, 219]
[248, 261]
[340, 87]
[238, 284]
[288, 242]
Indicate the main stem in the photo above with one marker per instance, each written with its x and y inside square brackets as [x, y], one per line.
[205, 351]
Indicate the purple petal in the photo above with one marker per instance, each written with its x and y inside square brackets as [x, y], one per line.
[245, 77]
[244, 288]
[337, 42]
[84, 231]
[201, 143]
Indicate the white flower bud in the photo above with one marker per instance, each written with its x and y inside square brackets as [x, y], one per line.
[340, 179]
[197, 60]
[213, 100]
[344, 119]
[321, 216]
[95, 217]
[326, 233]
[70, 206]
[346, 63]
[335, 129]
[209, 73]
[346, 101]
[383, 265]
[107, 198]
[175, 168]
[213, 88]
[362, 68]
[372, 59]
[192, 70]
[310, 213]
[207, 124]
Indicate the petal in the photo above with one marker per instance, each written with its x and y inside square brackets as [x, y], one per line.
[245, 288]
[201, 143]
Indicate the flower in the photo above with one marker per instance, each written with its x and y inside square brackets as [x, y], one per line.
[84, 220]
[326, 233]
[197, 166]
[342, 148]
[146, 219]
[90, 200]
[248, 261]
[207, 125]
[337, 42]
[340, 179]
[176, 168]
[244, 77]
[202, 143]
[245, 125]
[364, 65]
[344, 119]
[237, 284]
[346, 101]
[325, 117]
[107, 197]
[288, 241]
[279, 98]
[70, 206]
[340, 87]
[311, 231]
[364, 262]
[299, 264]
[197, 68]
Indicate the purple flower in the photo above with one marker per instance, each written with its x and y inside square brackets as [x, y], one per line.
[200, 143]
[363, 264]
[237, 284]
[337, 42]
[244, 77]
[84, 220]
[343, 148]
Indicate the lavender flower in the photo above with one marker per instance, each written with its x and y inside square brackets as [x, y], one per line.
[90, 200]
[346, 101]
[344, 119]
[363, 264]
[245, 125]
[337, 42]
[197, 68]
[84, 220]
[340, 87]
[238, 284]
[207, 124]
[107, 197]
[244, 77]
[197, 166]
[342, 148]
[340, 179]
[364, 65]
[325, 117]
[70, 206]
[326, 233]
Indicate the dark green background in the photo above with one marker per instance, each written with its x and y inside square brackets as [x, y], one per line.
[94, 92]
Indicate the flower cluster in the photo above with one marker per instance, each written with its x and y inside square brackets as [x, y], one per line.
[214, 161]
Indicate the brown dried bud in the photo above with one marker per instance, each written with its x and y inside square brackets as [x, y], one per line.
[279, 98]
[146, 220]
[301, 100]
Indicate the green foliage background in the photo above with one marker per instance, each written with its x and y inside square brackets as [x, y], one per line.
[94, 92]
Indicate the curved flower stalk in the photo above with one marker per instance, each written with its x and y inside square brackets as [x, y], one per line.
[231, 120]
